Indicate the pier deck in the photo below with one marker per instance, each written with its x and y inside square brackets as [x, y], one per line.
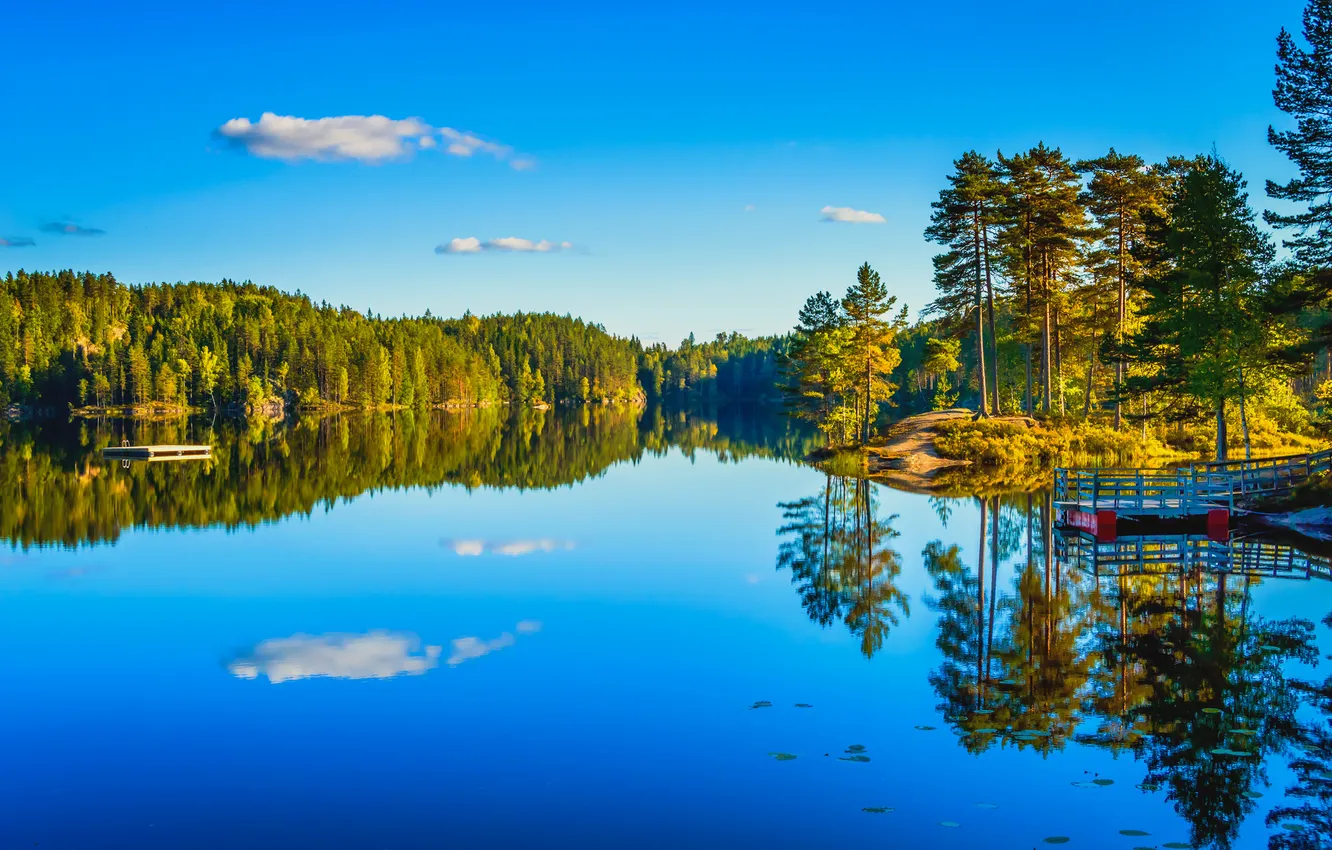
[1193, 490]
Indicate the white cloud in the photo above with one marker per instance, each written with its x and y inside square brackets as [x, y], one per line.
[749, 207]
[528, 627]
[374, 655]
[851, 216]
[469, 548]
[468, 245]
[364, 138]
[16, 242]
[503, 245]
[508, 548]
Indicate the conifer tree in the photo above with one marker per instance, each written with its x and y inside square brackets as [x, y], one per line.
[1204, 327]
[963, 218]
[1041, 249]
[866, 305]
[1304, 91]
[1122, 188]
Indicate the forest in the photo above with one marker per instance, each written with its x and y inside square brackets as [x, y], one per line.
[1107, 289]
[81, 339]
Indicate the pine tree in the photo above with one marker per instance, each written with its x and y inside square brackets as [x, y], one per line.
[1304, 91]
[963, 218]
[1204, 330]
[872, 355]
[1121, 191]
[1046, 221]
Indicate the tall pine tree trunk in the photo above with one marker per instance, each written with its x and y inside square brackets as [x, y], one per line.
[982, 407]
[1119, 327]
[1221, 429]
[1026, 331]
[1059, 362]
[1091, 367]
[1045, 358]
[1244, 416]
[989, 306]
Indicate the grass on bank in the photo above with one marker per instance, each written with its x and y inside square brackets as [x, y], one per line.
[1021, 442]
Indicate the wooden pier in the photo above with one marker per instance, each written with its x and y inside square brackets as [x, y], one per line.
[1094, 500]
[127, 452]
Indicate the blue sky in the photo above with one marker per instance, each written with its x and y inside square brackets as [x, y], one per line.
[685, 153]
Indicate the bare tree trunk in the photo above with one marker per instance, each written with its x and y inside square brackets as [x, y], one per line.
[1059, 362]
[1119, 327]
[1221, 430]
[989, 305]
[1244, 416]
[1045, 360]
[981, 407]
[1091, 367]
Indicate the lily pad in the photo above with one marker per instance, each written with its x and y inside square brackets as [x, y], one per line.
[1148, 786]
[1210, 710]
[1136, 833]
[877, 810]
[1085, 784]
[1293, 827]
[1253, 795]
[951, 824]
[783, 756]
[980, 712]
[856, 748]
[1103, 782]
[763, 703]
[857, 758]
[803, 705]
[1177, 845]
[1057, 839]
[1270, 648]
[925, 728]
[986, 731]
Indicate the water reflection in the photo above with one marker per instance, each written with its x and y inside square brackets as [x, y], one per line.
[374, 655]
[839, 555]
[55, 488]
[1147, 647]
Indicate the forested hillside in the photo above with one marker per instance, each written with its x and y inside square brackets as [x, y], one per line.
[86, 339]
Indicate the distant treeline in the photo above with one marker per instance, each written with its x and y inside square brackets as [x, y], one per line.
[71, 338]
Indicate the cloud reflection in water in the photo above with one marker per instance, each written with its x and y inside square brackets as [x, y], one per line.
[377, 654]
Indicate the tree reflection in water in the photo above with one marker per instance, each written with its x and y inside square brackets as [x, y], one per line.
[1170, 665]
[55, 487]
[840, 558]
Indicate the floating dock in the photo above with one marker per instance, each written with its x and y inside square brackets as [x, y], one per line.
[157, 452]
[1095, 500]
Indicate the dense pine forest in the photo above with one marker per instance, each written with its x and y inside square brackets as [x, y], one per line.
[83, 339]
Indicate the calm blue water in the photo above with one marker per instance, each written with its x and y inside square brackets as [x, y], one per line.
[500, 667]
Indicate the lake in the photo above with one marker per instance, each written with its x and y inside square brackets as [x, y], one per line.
[610, 628]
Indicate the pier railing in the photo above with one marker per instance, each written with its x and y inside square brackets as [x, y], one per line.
[1187, 490]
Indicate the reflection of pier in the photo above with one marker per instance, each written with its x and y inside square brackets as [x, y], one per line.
[1167, 554]
[1094, 500]
[127, 452]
